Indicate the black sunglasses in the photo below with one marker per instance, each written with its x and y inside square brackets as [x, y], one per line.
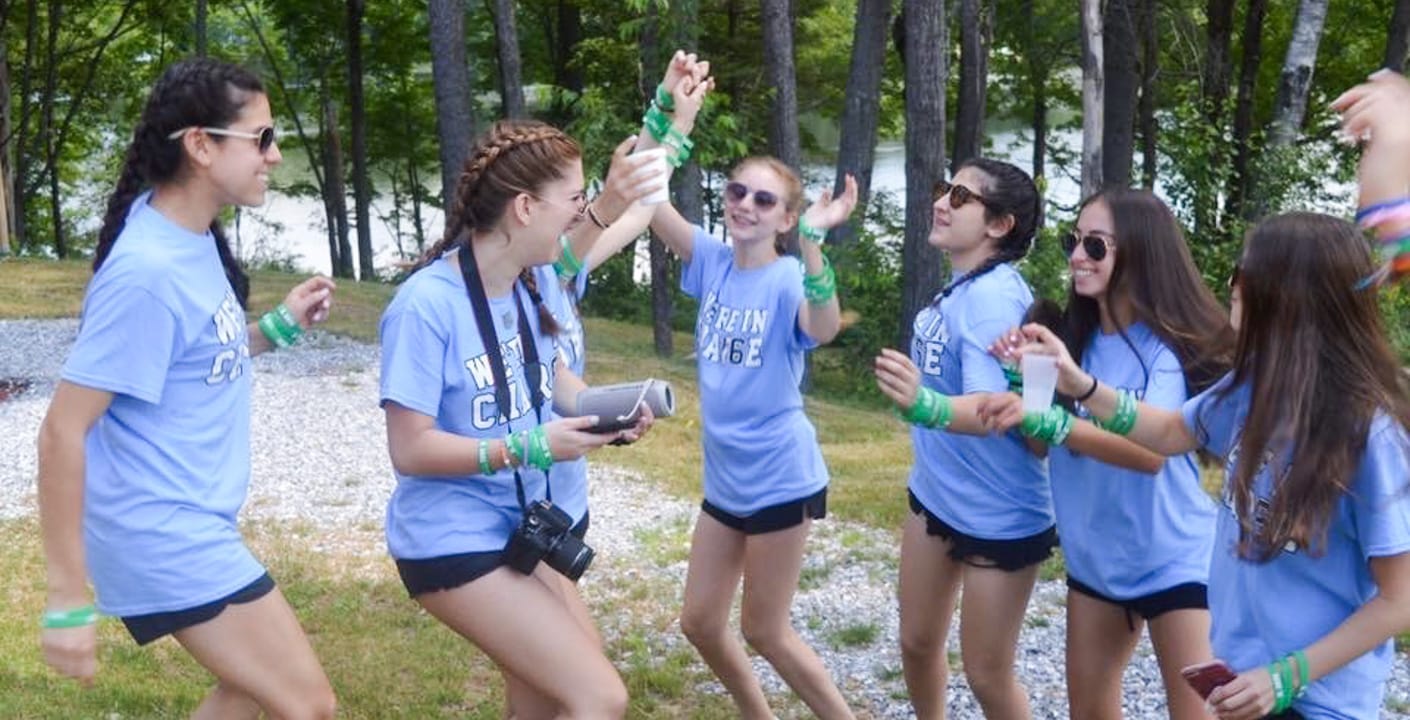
[735, 192]
[1094, 245]
[959, 195]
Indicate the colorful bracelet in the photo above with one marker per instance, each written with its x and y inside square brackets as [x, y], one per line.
[931, 409]
[280, 326]
[64, 619]
[1014, 377]
[1363, 213]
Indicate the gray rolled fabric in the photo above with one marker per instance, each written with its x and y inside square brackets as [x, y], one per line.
[616, 405]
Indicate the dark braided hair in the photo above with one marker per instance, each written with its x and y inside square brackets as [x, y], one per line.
[199, 92]
[1008, 191]
[512, 157]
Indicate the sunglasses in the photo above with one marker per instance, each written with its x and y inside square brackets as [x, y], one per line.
[1095, 246]
[735, 192]
[264, 139]
[959, 195]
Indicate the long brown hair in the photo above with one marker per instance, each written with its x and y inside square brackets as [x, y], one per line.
[1319, 368]
[1154, 270]
[512, 157]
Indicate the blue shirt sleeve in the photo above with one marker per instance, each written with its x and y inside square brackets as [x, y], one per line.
[1381, 491]
[413, 353]
[126, 342]
[1210, 420]
[705, 255]
[980, 371]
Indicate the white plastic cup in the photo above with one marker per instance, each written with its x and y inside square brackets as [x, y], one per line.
[662, 169]
[1039, 381]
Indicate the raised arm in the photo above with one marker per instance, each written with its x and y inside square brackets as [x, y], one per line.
[687, 81]
[821, 316]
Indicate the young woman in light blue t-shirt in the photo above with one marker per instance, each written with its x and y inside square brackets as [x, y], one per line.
[144, 457]
[1136, 527]
[1310, 575]
[765, 481]
[981, 514]
[474, 387]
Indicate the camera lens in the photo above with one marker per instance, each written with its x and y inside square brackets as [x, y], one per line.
[570, 556]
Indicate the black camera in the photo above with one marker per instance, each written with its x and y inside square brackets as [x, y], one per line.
[545, 533]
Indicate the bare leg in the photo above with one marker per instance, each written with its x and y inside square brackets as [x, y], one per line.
[1099, 645]
[991, 616]
[929, 584]
[1181, 639]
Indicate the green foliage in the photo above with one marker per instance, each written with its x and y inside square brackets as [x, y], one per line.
[1045, 267]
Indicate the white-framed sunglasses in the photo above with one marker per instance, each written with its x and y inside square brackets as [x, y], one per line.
[264, 138]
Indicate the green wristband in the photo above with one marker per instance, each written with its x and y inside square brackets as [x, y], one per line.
[813, 235]
[280, 326]
[657, 123]
[1014, 376]
[568, 265]
[1304, 671]
[64, 619]
[540, 454]
[485, 467]
[664, 98]
[820, 288]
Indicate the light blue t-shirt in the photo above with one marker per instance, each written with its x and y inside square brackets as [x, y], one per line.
[167, 466]
[434, 363]
[570, 484]
[760, 450]
[989, 487]
[1124, 533]
[1263, 611]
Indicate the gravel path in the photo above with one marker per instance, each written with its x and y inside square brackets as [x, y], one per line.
[325, 393]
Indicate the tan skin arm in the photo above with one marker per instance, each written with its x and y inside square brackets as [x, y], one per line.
[1001, 412]
[72, 413]
[309, 301]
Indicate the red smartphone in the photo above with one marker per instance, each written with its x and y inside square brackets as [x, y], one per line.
[1207, 676]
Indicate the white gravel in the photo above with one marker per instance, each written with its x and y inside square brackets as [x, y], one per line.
[336, 478]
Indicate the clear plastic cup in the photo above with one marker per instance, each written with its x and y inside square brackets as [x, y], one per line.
[1039, 381]
[657, 161]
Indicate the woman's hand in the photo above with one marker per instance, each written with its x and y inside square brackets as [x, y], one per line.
[898, 378]
[1247, 697]
[311, 300]
[1034, 338]
[1376, 111]
[1001, 411]
[569, 439]
[72, 652]
[829, 212]
[689, 93]
[644, 420]
[681, 66]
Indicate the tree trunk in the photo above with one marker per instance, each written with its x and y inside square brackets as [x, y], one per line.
[22, 153]
[1214, 81]
[570, 33]
[974, 76]
[1150, 69]
[362, 187]
[201, 32]
[1119, 48]
[1290, 106]
[784, 143]
[856, 151]
[450, 75]
[1244, 106]
[1093, 88]
[1398, 39]
[925, 154]
[511, 80]
[335, 195]
[6, 154]
[47, 133]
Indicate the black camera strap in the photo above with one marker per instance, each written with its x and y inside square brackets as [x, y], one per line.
[480, 305]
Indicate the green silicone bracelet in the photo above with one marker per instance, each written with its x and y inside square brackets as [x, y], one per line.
[63, 619]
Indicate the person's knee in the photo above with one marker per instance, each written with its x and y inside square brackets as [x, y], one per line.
[601, 699]
[766, 635]
[989, 676]
[314, 701]
[702, 628]
[919, 644]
